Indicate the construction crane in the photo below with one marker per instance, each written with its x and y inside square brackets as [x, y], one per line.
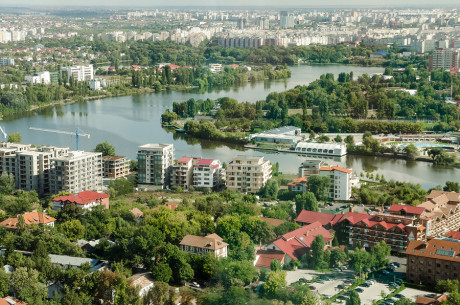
[5, 136]
[77, 133]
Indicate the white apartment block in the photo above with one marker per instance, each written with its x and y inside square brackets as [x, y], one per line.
[444, 59]
[341, 181]
[39, 78]
[207, 173]
[6, 61]
[95, 84]
[76, 171]
[78, 73]
[155, 163]
[248, 174]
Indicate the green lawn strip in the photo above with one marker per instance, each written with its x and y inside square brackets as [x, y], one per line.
[352, 287]
[392, 294]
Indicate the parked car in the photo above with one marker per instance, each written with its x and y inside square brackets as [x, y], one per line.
[386, 272]
[399, 296]
[393, 285]
[312, 287]
[340, 286]
[397, 264]
[342, 297]
[195, 284]
[359, 289]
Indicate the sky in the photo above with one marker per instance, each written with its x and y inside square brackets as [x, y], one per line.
[226, 3]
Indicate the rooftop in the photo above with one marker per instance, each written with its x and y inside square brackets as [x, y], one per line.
[154, 146]
[438, 248]
[211, 241]
[29, 218]
[82, 198]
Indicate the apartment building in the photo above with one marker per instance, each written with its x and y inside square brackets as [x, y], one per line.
[248, 174]
[78, 73]
[444, 58]
[154, 163]
[182, 172]
[442, 209]
[6, 61]
[340, 187]
[433, 260]
[115, 167]
[203, 245]
[310, 167]
[207, 173]
[39, 78]
[76, 171]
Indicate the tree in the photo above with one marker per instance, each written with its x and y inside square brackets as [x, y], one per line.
[381, 253]
[319, 186]
[270, 190]
[440, 157]
[73, 229]
[447, 286]
[411, 151]
[275, 265]
[105, 148]
[275, 281]
[360, 259]
[317, 250]
[161, 272]
[404, 301]
[338, 257]
[452, 186]
[26, 286]
[338, 139]
[6, 183]
[4, 283]
[353, 299]
[306, 201]
[15, 137]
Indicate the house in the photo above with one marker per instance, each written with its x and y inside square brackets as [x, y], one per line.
[171, 205]
[30, 218]
[436, 300]
[85, 200]
[272, 221]
[298, 185]
[143, 281]
[264, 258]
[11, 301]
[325, 219]
[137, 213]
[293, 245]
[70, 262]
[202, 245]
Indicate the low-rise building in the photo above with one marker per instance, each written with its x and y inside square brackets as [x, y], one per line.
[115, 167]
[30, 218]
[321, 149]
[95, 84]
[433, 260]
[72, 262]
[43, 78]
[142, 281]
[248, 174]
[202, 245]
[85, 200]
[282, 135]
[11, 301]
[298, 185]
[207, 173]
[310, 167]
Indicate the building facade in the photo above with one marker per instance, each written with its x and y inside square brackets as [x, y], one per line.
[115, 167]
[76, 171]
[340, 187]
[182, 173]
[248, 174]
[202, 245]
[85, 200]
[207, 173]
[310, 167]
[444, 58]
[78, 73]
[155, 162]
[433, 260]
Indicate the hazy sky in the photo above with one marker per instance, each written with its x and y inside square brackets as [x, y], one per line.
[274, 3]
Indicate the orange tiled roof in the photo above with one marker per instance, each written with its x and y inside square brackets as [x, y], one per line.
[29, 218]
[337, 168]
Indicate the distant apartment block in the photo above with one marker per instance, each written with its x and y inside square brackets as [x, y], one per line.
[248, 174]
[154, 163]
[78, 73]
[43, 78]
[207, 173]
[6, 61]
[95, 84]
[115, 167]
[76, 171]
[444, 59]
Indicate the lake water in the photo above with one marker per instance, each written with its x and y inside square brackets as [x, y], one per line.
[129, 121]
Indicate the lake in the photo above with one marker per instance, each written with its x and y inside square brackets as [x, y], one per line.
[129, 121]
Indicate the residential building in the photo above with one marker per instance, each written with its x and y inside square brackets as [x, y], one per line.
[272, 221]
[433, 260]
[72, 262]
[76, 171]
[286, 20]
[78, 73]
[444, 58]
[142, 281]
[215, 68]
[115, 167]
[443, 211]
[30, 218]
[11, 301]
[340, 187]
[182, 172]
[436, 300]
[85, 200]
[248, 174]
[321, 149]
[154, 163]
[6, 62]
[293, 245]
[207, 173]
[202, 245]
[39, 78]
[310, 167]
[325, 219]
[95, 84]
[298, 185]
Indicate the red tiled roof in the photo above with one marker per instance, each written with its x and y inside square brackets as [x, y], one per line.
[265, 257]
[298, 180]
[451, 249]
[324, 218]
[337, 168]
[9, 300]
[184, 159]
[453, 234]
[171, 205]
[29, 218]
[272, 221]
[297, 242]
[205, 162]
[82, 198]
[407, 208]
